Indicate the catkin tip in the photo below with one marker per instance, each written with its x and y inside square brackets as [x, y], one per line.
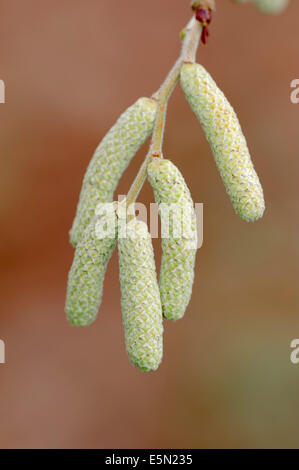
[252, 214]
[80, 322]
[272, 7]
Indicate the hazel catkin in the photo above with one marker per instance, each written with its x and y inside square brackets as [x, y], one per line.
[86, 276]
[225, 136]
[110, 160]
[272, 7]
[179, 241]
[140, 297]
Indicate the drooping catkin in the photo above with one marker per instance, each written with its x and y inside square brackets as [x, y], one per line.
[179, 236]
[110, 160]
[140, 297]
[226, 139]
[86, 276]
[272, 7]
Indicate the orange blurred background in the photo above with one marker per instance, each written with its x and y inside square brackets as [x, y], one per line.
[70, 68]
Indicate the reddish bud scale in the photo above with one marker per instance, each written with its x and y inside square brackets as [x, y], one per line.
[204, 16]
[204, 35]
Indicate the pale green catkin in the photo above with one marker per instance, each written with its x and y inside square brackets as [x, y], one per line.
[226, 139]
[272, 7]
[140, 297]
[179, 247]
[110, 160]
[86, 276]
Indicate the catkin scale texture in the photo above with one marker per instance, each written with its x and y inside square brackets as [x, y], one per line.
[180, 245]
[226, 139]
[86, 276]
[140, 297]
[110, 160]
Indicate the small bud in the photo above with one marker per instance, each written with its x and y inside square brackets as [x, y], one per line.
[179, 236]
[110, 160]
[226, 139]
[140, 301]
[183, 34]
[272, 7]
[203, 15]
[86, 277]
[208, 4]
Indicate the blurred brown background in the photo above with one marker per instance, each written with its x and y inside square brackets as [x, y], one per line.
[70, 68]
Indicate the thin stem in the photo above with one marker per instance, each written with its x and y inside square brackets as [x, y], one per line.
[163, 96]
[192, 34]
[190, 44]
